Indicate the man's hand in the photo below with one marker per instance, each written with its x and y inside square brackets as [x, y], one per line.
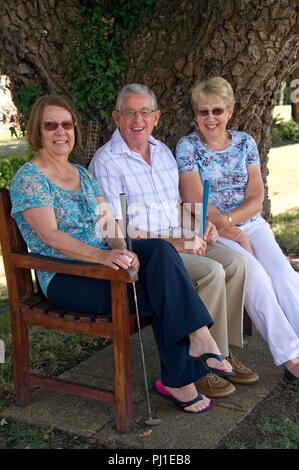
[192, 246]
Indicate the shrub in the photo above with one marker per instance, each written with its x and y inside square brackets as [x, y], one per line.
[284, 131]
[9, 166]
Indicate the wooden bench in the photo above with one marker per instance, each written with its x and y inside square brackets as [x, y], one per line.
[28, 306]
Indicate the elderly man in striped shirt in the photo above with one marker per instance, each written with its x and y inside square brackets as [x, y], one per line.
[135, 163]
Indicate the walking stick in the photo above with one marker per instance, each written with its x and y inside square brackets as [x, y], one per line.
[123, 202]
[205, 199]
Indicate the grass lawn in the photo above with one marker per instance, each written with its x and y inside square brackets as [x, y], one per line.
[11, 146]
[283, 184]
[283, 178]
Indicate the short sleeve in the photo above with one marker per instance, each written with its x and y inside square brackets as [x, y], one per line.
[29, 189]
[185, 157]
[110, 180]
[96, 188]
[252, 153]
[89, 179]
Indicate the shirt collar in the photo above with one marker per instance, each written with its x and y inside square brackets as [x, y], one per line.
[119, 146]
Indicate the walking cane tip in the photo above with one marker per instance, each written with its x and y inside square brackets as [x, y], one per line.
[153, 422]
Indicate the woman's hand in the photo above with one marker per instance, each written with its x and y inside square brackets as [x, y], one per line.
[118, 258]
[135, 262]
[210, 235]
[244, 241]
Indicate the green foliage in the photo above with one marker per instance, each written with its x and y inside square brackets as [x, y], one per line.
[24, 98]
[280, 433]
[9, 166]
[27, 436]
[99, 61]
[286, 229]
[284, 131]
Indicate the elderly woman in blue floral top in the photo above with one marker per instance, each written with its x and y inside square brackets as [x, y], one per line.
[230, 161]
[60, 211]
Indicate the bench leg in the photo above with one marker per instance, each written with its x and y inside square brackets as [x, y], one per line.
[247, 324]
[21, 359]
[122, 357]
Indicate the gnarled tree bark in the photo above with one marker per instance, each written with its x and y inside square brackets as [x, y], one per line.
[35, 37]
[252, 43]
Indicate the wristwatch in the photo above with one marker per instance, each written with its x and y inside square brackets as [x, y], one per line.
[229, 217]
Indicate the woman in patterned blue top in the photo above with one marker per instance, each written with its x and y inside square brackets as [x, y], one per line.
[60, 211]
[230, 161]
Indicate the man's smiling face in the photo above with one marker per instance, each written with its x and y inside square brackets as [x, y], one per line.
[136, 128]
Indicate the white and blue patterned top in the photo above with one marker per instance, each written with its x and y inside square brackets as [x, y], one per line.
[225, 169]
[76, 211]
[152, 190]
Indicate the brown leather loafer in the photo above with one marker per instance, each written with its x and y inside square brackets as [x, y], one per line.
[244, 374]
[213, 386]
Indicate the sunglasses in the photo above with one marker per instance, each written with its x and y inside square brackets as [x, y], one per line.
[52, 126]
[215, 112]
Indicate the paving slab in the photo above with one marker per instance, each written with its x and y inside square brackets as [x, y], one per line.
[92, 419]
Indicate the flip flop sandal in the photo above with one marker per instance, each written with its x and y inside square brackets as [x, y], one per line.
[161, 390]
[290, 376]
[203, 359]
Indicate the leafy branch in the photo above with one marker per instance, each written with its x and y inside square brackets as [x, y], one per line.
[98, 63]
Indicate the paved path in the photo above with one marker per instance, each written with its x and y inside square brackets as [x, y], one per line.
[178, 430]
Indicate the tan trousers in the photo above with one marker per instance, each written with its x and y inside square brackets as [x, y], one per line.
[219, 278]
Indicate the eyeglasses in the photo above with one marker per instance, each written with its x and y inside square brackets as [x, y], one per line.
[215, 112]
[52, 126]
[131, 113]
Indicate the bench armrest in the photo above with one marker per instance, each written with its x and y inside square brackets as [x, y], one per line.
[25, 260]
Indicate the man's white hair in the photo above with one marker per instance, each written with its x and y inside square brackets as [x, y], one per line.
[136, 88]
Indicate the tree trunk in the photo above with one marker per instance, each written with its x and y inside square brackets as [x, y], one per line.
[35, 37]
[294, 89]
[252, 43]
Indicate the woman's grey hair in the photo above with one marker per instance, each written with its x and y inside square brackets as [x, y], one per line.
[136, 88]
[216, 86]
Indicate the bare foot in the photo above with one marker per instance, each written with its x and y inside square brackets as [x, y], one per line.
[293, 366]
[188, 393]
[202, 342]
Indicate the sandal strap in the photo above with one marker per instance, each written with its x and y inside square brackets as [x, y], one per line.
[185, 404]
[206, 356]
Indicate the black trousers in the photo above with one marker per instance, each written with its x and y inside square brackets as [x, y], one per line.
[164, 290]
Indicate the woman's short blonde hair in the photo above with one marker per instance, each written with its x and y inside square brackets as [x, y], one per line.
[33, 134]
[216, 86]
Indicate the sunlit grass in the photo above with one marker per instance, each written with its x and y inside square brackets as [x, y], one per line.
[283, 184]
[286, 229]
[11, 146]
[283, 178]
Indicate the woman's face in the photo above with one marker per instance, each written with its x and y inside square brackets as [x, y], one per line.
[59, 141]
[212, 116]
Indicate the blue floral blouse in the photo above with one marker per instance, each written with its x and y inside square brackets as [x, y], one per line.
[225, 169]
[76, 211]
